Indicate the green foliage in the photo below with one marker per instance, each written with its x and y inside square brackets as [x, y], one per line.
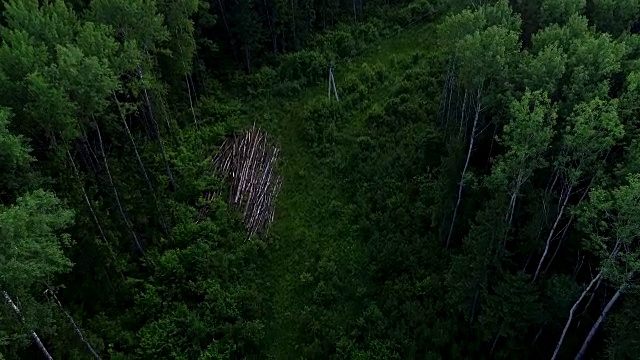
[559, 11]
[104, 101]
[32, 245]
[527, 137]
[31, 257]
[614, 16]
[306, 67]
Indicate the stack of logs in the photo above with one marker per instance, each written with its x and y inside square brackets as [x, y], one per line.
[247, 161]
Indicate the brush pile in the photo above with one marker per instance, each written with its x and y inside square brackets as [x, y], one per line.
[247, 161]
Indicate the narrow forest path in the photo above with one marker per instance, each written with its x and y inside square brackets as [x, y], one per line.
[312, 228]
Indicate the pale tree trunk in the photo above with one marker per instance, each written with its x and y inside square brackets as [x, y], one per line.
[157, 131]
[595, 281]
[33, 334]
[565, 199]
[596, 326]
[93, 215]
[193, 113]
[466, 165]
[445, 104]
[293, 17]
[514, 197]
[186, 78]
[568, 225]
[141, 164]
[572, 312]
[462, 130]
[115, 191]
[75, 326]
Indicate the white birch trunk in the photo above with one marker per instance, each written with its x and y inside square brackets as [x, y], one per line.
[33, 334]
[464, 169]
[75, 326]
[552, 232]
[596, 326]
[571, 313]
[115, 192]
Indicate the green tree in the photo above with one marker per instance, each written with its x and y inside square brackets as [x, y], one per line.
[527, 137]
[31, 256]
[592, 130]
[559, 11]
[614, 16]
[611, 221]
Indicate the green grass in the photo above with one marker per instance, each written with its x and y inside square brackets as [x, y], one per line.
[312, 222]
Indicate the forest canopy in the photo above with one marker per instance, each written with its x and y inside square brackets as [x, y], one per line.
[354, 179]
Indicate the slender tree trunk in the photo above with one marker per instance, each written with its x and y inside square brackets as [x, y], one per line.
[75, 326]
[593, 295]
[466, 165]
[495, 342]
[293, 23]
[566, 228]
[514, 197]
[93, 214]
[572, 312]
[463, 118]
[333, 82]
[355, 17]
[115, 192]
[33, 334]
[596, 326]
[157, 131]
[566, 195]
[144, 171]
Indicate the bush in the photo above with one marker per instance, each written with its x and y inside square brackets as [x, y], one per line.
[321, 126]
[305, 67]
[260, 81]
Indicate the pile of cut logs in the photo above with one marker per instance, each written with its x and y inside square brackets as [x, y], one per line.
[247, 162]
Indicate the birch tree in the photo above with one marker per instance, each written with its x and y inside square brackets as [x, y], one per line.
[481, 58]
[611, 221]
[591, 131]
[526, 137]
[31, 253]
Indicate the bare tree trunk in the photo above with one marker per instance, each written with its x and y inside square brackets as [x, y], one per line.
[93, 214]
[566, 228]
[333, 82]
[572, 312]
[157, 131]
[596, 326]
[75, 326]
[566, 195]
[193, 113]
[466, 165]
[293, 22]
[115, 192]
[141, 164]
[33, 334]
[514, 196]
[463, 118]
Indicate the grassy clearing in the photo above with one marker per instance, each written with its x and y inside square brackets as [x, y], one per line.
[312, 222]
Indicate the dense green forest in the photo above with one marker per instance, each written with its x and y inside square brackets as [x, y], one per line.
[310, 179]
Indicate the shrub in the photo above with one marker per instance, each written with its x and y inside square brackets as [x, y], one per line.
[303, 66]
[321, 126]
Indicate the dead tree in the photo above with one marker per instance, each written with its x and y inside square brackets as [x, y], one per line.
[247, 162]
